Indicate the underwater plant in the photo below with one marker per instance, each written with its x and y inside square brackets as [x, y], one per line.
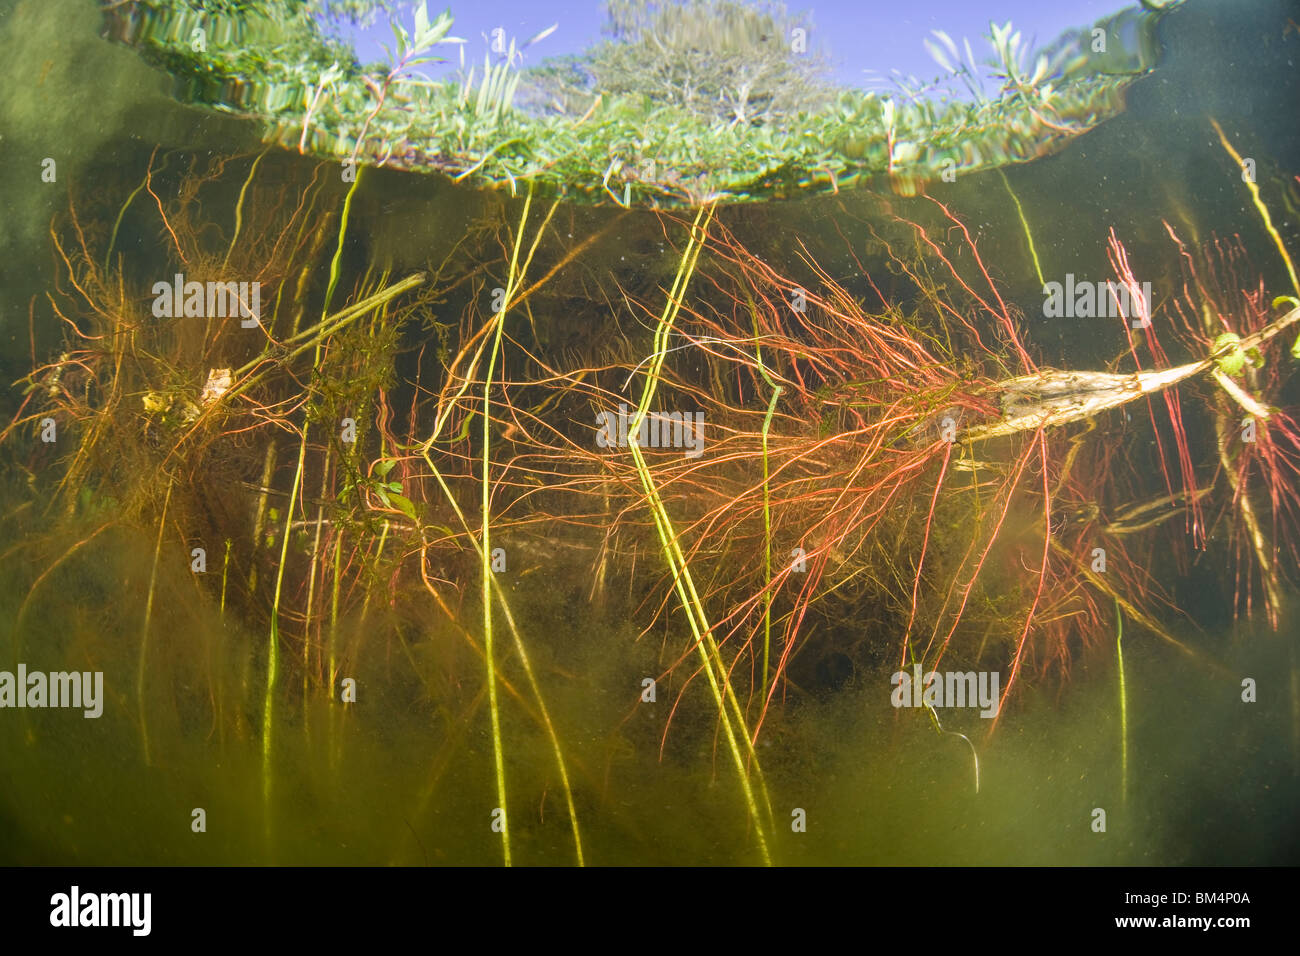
[787, 453]
[835, 434]
[757, 477]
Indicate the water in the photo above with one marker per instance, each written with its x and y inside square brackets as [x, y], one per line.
[375, 743]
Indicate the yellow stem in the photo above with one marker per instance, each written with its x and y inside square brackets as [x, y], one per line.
[1024, 224]
[1259, 204]
[148, 618]
[1123, 702]
[711, 658]
[239, 208]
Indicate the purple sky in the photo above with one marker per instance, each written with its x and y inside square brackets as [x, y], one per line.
[860, 35]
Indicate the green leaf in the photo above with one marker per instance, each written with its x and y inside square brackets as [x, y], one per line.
[395, 485]
[404, 505]
[430, 34]
[1234, 359]
[332, 75]
[403, 40]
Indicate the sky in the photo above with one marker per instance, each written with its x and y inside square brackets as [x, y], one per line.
[865, 39]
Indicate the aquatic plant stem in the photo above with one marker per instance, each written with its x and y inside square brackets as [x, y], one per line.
[533, 684]
[273, 649]
[704, 643]
[1259, 205]
[767, 503]
[514, 281]
[711, 658]
[239, 208]
[332, 666]
[1024, 224]
[259, 516]
[112, 239]
[273, 644]
[225, 572]
[934, 717]
[219, 696]
[512, 297]
[338, 250]
[1123, 703]
[485, 566]
[311, 594]
[148, 620]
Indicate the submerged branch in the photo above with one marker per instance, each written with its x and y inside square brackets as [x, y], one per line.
[1050, 398]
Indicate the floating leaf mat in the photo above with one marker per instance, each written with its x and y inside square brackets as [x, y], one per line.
[272, 61]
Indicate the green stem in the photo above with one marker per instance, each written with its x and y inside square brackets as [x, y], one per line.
[332, 687]
[273, 645]
[112, 239]
[524, 660]
[1123, 703]
[486, 555]
[273, 651]
[338, 251]
[148, 619]
[1024, 224]
[713, 665]
[225, 570]
[767, 505]
[239, 208]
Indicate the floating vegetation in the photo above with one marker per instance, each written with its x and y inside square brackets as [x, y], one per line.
[642, 119]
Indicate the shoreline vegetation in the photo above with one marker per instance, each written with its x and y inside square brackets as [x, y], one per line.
[614, 126]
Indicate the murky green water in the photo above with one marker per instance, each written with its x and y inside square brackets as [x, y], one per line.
[401, 781]
[184, 766]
